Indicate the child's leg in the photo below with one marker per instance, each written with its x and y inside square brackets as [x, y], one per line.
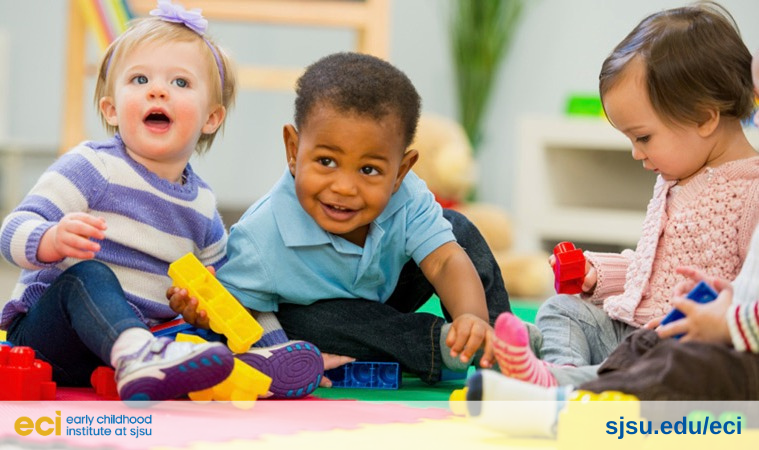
[576, 332]
[369, 331]
[83, 321]
[652, 368]
[295, 367]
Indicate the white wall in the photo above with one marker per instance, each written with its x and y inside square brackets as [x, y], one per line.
[557, 50]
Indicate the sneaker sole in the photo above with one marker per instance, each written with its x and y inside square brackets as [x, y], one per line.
[201, 371]
[295, 368]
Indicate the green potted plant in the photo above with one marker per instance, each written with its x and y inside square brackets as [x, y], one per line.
[481, 31]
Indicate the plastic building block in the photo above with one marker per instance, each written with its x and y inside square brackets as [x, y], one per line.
[22, 377]
[242, 387]
[225, 314]
[366, 375]
[569, 269]
[457, 402]
[702, 293]
[171, 328]
[104, 382]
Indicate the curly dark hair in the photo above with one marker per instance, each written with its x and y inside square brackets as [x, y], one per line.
[360, 84]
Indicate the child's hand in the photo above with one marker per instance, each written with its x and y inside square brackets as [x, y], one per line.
[469, 333]
[332, 361]
[181, 303]
[702, 322]
[72, 237]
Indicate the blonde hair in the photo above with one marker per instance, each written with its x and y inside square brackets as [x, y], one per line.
[153, 29]
[695, 61]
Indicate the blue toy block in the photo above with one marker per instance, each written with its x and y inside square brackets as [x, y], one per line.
[702, 293]
[366, 375]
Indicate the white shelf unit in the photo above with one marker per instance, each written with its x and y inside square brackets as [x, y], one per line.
[577, 182]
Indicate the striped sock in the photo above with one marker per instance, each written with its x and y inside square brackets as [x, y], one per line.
[273, 332]
[515, 358]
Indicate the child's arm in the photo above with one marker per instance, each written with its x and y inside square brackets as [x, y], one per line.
[452, 274]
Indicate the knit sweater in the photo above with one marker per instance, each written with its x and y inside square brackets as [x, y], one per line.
[743, 315]
[706, 224]
[151, 223]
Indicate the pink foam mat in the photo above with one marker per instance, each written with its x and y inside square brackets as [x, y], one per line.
[183, 423]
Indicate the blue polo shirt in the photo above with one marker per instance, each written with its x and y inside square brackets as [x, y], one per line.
[278, 254]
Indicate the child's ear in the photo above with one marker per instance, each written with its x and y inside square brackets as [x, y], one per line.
[290, 136]
[108, 110]
[707, 127]
[408, 161]
[215, 119]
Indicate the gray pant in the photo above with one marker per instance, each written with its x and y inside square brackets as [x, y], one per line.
[576, 336]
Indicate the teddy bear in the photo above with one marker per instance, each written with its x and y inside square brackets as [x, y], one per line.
[446, 163]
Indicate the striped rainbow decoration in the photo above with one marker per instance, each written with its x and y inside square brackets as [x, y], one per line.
[106, 18]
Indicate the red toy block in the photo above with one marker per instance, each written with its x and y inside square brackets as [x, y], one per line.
[22, 377]
[104, 381]
[569, 270]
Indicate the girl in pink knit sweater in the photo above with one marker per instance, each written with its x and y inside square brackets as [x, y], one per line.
[678, 86]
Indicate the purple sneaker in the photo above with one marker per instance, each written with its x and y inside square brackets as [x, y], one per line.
[295, 367]
[163, 369]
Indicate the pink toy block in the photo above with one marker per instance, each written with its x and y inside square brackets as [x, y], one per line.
[22, 377]
[569, 270]
[103, 379]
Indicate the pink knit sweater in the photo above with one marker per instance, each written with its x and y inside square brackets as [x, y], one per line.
[705, 224]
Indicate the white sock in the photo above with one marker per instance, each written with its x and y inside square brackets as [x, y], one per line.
[273, 332]
[128, 342]
[515, 407]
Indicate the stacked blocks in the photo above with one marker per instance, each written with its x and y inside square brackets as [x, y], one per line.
[225, 314]
[569, 270]
[22, 377]
[366, 375]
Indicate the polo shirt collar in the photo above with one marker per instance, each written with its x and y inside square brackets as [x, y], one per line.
[287, 211]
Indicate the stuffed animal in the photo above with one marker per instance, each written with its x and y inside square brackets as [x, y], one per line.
[446, 163]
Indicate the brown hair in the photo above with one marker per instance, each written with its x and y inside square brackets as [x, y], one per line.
[152, 29]
[695, 62]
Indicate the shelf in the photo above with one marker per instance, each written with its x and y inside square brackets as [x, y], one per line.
[577, 181]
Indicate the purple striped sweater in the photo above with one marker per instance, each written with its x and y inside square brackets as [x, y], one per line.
[151, 222]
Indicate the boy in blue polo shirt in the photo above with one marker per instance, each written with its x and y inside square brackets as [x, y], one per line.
[350, 242]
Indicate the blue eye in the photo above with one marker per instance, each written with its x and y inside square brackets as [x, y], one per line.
[181, 82]
[140, 79]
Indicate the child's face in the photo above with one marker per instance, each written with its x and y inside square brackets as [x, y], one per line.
[346, 168]
[161, 104]
[676, 152]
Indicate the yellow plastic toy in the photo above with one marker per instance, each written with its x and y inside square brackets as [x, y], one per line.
[225, 314]
[457, 402]
[242, 387]
[582, 423]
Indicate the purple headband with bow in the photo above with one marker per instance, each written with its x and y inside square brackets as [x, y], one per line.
[192, 19]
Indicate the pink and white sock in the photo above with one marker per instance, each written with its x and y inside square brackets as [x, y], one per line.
[515, 358]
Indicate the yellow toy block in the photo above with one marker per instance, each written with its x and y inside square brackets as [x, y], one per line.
[584, 420]
[457, 402]
[225, 314]
[242, 387]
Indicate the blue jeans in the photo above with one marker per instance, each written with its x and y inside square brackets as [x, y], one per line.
[392, 331]
[76, 321]
[576, 332]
